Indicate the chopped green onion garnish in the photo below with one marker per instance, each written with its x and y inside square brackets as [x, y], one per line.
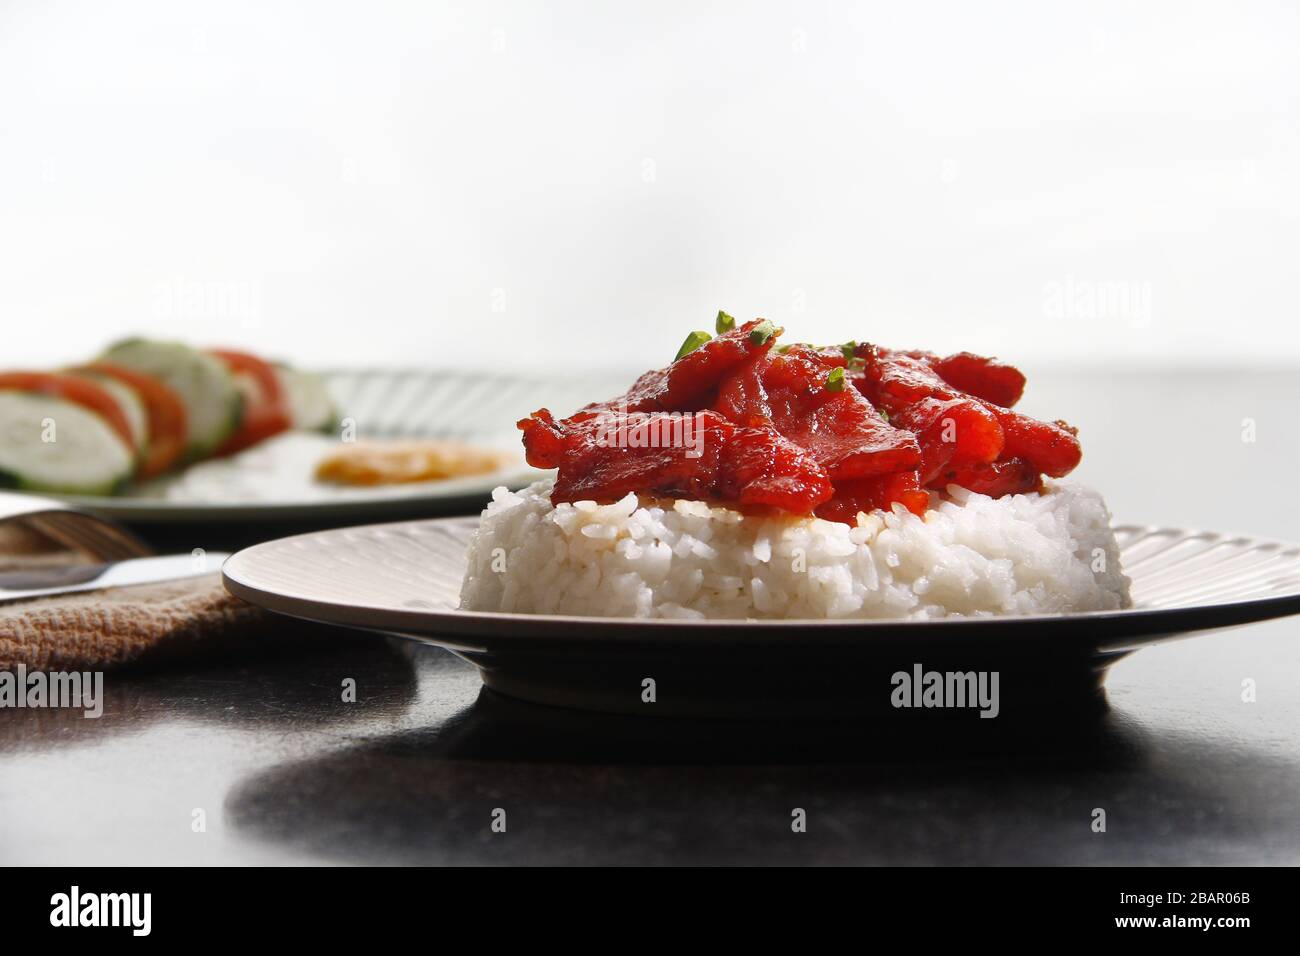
[693, 342]
[883, 414]
[835, 380]
[760, 333]
[848, 348]
[725, 322]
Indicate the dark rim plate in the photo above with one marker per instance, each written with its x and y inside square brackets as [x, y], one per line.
[404, 579]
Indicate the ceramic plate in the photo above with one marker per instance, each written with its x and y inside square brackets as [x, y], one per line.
[404, 579]
[444, 404]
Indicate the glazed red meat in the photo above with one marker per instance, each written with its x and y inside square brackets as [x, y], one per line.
[691, 383]
[1051, 447]
[913, 373]
[602, 457]
[901, 381]
[951, 431]
[804, 430]
[1011, 477]
[844, 433]
[982, 377]
[868, 494]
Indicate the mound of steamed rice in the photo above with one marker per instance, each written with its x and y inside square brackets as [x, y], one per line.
[970, 555]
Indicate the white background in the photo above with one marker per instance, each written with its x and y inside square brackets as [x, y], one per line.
[573, 184]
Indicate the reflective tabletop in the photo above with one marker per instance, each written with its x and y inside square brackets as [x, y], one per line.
[255, 756]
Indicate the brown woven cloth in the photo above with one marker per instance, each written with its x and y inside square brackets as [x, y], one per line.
[101, 629]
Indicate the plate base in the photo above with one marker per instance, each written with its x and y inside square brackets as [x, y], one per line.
[782, 686]
[405, 578]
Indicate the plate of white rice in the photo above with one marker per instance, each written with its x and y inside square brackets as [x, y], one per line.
[969, 556]
[686, 609]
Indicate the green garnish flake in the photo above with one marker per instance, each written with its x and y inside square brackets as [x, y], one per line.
[835, 380]
[761, 333]
[725, 322]
[883, 414]
[693, 342]
[848, 349]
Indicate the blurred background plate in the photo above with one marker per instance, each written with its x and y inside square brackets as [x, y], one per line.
[476, 408]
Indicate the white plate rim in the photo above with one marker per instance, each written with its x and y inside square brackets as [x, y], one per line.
[1136, 626]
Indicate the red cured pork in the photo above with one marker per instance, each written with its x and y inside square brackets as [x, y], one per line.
[804, 430]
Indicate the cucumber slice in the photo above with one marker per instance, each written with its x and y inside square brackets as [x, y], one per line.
[137, 416]
[310, 405]
[212, 401]
[50, 444]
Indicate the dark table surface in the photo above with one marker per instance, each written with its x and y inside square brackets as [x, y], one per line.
[286, 772]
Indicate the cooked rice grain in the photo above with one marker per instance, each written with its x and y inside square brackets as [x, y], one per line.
[970, 555]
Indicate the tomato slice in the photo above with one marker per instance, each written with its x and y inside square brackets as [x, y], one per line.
[77, 390]
[165, 410]
[266, 412]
